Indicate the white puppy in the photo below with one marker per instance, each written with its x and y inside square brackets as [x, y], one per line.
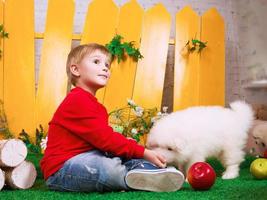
[191, 135]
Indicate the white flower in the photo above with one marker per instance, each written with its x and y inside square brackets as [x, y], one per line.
[165, 109]
[117, 128]
[159, 115]
[134, 131]
[156, 118]
[131, 102]
[138, 111]
[44, 143]
[153, 119]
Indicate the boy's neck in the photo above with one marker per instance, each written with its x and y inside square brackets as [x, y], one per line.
[90, 90]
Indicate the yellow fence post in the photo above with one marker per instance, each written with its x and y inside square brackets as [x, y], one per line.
[199, 78]
[212, 60]
[120, 86]
[52, 84]
[19, 91]
[150, 73]
[186, 69]
[100, 26]
[1, 56]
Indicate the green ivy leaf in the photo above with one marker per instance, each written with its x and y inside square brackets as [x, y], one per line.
[118, 49]
[137, 137]
[5, 34]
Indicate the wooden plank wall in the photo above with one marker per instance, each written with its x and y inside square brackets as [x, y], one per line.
[199, 78]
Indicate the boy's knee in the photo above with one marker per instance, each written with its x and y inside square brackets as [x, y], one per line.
[114, 165]
[111, 173]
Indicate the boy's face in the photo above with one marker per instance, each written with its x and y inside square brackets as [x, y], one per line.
[93, 71]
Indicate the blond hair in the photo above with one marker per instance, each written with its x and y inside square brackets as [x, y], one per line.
[78, 53]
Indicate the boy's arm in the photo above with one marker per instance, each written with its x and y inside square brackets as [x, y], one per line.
[102, 137]
[91, 125]
[88, 120]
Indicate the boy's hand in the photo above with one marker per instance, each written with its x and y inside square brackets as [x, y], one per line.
[155, 158]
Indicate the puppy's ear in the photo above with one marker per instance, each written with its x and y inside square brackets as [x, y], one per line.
[179, 145]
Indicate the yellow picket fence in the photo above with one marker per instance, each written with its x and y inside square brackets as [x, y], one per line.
[199, 78]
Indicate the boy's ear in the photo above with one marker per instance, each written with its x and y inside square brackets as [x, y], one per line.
[74, 70]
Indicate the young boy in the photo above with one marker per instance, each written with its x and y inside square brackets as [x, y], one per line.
[83, 152]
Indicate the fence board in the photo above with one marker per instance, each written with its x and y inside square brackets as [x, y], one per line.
[52, 85]
[186, 70]
[19, 65]
[100, 27]
[1, 56]
[120, 86]
[154, 46]
[212, 62]
[1, 59]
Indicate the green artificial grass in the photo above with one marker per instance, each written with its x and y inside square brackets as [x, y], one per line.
[243, 187]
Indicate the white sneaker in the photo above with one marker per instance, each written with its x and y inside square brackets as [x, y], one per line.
[156, 180]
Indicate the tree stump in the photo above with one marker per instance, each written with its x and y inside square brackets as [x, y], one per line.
[2, 179]
[21, 177]
[12, 152]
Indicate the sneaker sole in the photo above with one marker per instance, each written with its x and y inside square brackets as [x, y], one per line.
[156, 181]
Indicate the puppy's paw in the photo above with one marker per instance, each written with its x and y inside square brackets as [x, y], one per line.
[230, 175]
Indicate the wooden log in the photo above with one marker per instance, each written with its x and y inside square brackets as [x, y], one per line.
[21, 177]
[12, 152]
[2, 179]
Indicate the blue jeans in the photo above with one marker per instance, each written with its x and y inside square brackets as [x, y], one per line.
[93, 171]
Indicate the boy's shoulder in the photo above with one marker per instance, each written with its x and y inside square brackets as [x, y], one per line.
[79, 99]
[79, 96]
[77, 103]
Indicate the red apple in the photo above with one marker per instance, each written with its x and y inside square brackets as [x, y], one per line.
[201, 176]
[265, 154]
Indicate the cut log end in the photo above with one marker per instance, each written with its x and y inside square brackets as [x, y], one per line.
[12, 153]
[21, 177]
[2, 179]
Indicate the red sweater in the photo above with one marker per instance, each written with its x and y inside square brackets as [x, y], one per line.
[80, 124]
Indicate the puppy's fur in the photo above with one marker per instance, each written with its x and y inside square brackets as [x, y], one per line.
[260, 137]
[191, 135]
[257, 138]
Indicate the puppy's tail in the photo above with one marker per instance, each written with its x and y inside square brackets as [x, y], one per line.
[244, 112]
